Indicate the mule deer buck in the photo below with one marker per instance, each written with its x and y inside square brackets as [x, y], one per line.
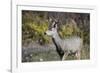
[65, 47]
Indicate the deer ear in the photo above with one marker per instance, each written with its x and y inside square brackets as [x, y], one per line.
[50, 19]
[56, 23]
[56, 20]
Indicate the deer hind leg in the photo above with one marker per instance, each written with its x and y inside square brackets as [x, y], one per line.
[78, 55]
[64, 56]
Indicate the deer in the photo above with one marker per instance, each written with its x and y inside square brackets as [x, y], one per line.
[65, 47]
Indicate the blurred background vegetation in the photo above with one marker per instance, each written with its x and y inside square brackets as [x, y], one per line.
[35, 23]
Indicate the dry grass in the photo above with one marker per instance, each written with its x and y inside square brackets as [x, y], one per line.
[53, 56]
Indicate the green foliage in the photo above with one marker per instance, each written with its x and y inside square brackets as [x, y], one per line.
[68, 30]
[35, 31]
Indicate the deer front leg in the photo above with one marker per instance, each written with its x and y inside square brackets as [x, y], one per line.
[78, 54]
[64, 56]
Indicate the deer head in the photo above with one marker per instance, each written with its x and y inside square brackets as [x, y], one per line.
[52, 28]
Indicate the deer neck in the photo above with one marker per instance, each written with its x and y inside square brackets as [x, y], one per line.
[57, 41]
[57, 38]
